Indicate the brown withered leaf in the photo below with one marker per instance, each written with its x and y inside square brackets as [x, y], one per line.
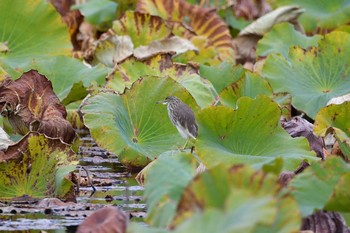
[202, 21]
[299, 127]
[106, 220]
[245, 43]
[325, 221]
[73, 19]
[250, 9]
[31, 105]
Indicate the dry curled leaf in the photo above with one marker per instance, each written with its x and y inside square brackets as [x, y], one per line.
[299, 127]
[245, 43]
[31, 105]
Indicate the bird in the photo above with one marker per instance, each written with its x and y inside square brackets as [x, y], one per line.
[182, 117]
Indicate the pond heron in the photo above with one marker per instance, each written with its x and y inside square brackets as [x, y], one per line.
[182, 117]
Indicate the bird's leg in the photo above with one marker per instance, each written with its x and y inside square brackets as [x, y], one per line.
[187, 140]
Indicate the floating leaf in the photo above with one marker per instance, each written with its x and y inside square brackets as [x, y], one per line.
[221, 75]
[30, 104]
[281, 38]
[163, 196]
[330, 179]
[335, 118]
[314, 76]
[29, 167]
[237, 199]
[25, 27]
[251, 134]
[250, 85]
[132, 125]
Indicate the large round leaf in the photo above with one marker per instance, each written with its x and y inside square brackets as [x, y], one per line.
[281, 38]
[321, 14]
[238, 199]
[331, 180]
[315, 76]
[132, 125]
[165, 183]
[251, 134]
[32, 30]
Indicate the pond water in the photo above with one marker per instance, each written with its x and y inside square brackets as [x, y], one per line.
[114, 185]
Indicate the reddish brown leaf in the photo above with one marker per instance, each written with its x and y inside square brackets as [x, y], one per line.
[73, 19]
[106, 220]
[31, 105]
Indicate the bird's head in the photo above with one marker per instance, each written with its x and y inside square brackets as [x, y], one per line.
[169, 99]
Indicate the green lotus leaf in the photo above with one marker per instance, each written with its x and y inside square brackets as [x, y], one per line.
[132, 125]
[29, 167]
[221, 75]
[321, 14]
[314, 76]
[330, 179]
[281, 38]
[163, 196]
[250, 85]
[98, 11]
[142, 28]
[33, 31]
[238, 199]
[162, 66]
[335, 117]
[251, 134]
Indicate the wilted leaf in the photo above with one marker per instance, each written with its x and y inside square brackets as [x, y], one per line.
[142, 28]
[266, 22]
[336, 119]
[132, 125]
[25, 27]
[29, 166]
[162, 66]
[172, 44]
[106, 220]
[70, 77]
[299, 127]
[313, 76]
[203, 21]
[238, 199]
[251, 135]
[4, 140]
[110, 49]
[246, 41]
[31, 105]
[165, 184]
[330, 179]
[281, 38]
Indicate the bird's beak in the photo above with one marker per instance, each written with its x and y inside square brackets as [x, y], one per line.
[162, 102]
